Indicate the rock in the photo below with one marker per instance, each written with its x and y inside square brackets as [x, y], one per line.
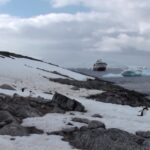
[66, 103]
[97, 116]
[14, 109]
[72, 114]
[143, 134]
[57, 109]
[83, 128]
[14, 129]
[96, 124]
[103, 139]
[6, 118]
[69, 124]
[33, 130]
[55, 133]
[147, 143]
[81, 120]
[12, 139]
[9, 125]
[75, 88]
[7, 87]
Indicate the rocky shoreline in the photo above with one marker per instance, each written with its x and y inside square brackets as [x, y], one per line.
[112, 93]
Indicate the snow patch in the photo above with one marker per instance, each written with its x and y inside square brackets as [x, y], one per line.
[34, 142]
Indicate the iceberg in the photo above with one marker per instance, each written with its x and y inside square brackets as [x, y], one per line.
[132, 73]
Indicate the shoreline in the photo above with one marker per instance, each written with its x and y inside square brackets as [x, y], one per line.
[139, 84]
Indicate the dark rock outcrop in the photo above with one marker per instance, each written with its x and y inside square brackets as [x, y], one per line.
[14, 109]
[113, 93]
[143, 134]
[65, 103]
[7, 87]
[123, 98]
[81, 120]
[96, 124]
[97, 116]
[105, 139]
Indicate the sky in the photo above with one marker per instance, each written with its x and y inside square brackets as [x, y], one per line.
[75, 33]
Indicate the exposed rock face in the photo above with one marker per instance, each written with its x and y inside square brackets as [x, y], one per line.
[81, 120]
[66, 104]
[10, 125]
[105, 139]
[96, 124]
[7, 87]
[96, 137]
[123, 98]
[143, 134]
[14, 109]
[97, 116]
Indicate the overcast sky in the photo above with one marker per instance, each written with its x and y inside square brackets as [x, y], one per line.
[74, 33]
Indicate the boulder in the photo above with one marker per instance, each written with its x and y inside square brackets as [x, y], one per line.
[15, 129]
[97, 116]
[96, 124]
[5, 116]
[81, 120]
[106, 139]
[143, 134]
[67, 103]
[7, 87]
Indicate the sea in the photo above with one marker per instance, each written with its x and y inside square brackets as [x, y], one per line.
[140, 83]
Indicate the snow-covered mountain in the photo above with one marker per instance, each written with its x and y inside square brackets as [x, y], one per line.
[32, 75]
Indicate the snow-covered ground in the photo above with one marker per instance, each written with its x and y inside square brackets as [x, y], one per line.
[21, 72]
[34, 142]
[114, 116]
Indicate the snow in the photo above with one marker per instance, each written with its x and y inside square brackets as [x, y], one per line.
[118, 116]
[114, 116]
[34, 142]
[26, 69]
[53, 87]
[51, 122]
[21, 73]
[25, 94]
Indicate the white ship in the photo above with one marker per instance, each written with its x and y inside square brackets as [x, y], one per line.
[99, 65]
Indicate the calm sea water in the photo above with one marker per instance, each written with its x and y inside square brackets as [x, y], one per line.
[141, 84]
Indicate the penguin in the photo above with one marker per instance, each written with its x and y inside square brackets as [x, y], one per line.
[143, 111]
[23, 89]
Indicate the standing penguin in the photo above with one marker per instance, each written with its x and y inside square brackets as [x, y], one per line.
[145, 108]
[23, 89]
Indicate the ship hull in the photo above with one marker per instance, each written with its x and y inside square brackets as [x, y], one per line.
[99, 69]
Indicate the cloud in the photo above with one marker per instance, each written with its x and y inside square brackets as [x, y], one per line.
[113, 26]
[91, 31]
